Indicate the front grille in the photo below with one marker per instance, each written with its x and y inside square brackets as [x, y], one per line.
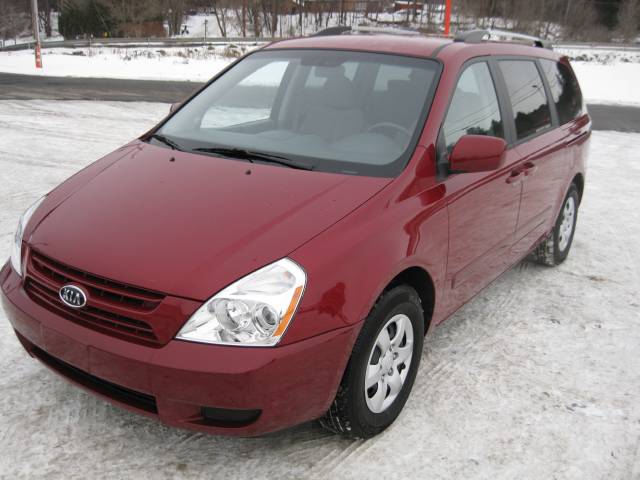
[112, 308]
[139, 400]
[98, 287]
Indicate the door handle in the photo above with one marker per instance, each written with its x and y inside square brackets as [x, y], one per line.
[529, 169]
[516, 177]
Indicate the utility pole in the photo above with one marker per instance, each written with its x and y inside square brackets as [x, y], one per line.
[447, 18]
[36, 32]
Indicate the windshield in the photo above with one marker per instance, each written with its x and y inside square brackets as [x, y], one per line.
[336, 111]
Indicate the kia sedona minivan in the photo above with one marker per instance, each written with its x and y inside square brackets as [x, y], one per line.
[277, 248]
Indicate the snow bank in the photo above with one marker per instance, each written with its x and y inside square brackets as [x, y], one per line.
[607, 75]
[197, 64]
[538, 377]
[617, 83]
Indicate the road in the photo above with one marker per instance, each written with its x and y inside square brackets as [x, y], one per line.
[31, 87]
[26, 87]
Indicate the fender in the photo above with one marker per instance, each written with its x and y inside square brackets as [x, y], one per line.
[384, 237]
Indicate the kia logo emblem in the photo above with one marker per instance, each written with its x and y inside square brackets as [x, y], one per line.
[73, 296]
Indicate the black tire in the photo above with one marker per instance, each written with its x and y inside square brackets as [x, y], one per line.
[549, 251]
[349, 414]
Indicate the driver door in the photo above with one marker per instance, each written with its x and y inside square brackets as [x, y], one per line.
[483, 206]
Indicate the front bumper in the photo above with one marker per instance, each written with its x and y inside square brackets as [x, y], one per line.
[183, 382]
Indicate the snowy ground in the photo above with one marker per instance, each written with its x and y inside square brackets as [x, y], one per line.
[537, 378]
[606, 76]
[197, 64]
[610, 84]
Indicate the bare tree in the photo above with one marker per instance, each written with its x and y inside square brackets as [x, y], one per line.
[239, 13]
[174, 13]
[581, 20]
[576, 19]
[221, 11]
[130, 16]
[44, 16]
[628, 19]
[14, 19]
[254, 15]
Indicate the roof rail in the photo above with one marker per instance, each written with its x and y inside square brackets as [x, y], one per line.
[386, 30]
[479, 36]
[342, 30]
[339, 30]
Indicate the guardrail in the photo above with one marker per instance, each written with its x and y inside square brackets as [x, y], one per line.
[139, 42]
[599, 46]
[216, 41]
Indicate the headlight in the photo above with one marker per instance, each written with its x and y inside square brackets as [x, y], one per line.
[16, 251]
[254, 311]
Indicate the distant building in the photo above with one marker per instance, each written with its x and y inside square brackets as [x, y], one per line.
[400, 5]
[145, 29]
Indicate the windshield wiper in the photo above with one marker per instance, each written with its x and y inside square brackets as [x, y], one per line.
[166, 141]
[252, 155]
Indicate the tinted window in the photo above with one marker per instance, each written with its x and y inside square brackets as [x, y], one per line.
[474, 108]
[564, 90]
[317, 108]
[528, 98]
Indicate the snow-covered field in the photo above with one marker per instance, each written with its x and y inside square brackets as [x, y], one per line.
[537, 378]
[197, 64]
[605, 76]
[612, 84]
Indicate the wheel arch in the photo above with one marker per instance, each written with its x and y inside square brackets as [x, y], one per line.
[419, 279]
[578, 181]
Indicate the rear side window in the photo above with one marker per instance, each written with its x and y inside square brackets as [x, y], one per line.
[474, 108]
[564, 90]
[528, 99]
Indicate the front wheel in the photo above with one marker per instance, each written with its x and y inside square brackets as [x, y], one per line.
[554, 249]
[382, 367]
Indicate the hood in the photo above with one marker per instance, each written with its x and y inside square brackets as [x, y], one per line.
[188, 225]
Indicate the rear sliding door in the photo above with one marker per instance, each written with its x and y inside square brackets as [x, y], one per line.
[540, 146]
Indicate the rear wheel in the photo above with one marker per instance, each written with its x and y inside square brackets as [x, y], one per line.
[554, 249]
[382, 367]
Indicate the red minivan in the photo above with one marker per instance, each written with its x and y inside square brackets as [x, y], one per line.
[277, 248]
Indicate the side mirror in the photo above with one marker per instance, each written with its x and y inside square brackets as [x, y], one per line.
[174, 107]
[477, 153]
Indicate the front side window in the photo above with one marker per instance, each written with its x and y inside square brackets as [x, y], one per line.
[528, 98]
[474, 108]
[564, 90]
[336, 111]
